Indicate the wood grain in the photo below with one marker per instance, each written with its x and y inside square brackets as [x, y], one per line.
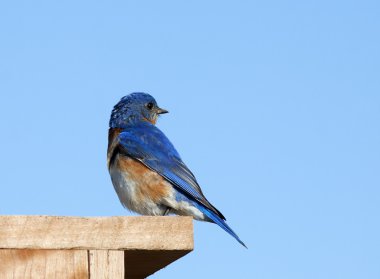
[43, 264]
[96, 247]
[96, 233]
[106, 264]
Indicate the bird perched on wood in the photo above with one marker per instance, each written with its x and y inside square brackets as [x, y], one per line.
[147, 172]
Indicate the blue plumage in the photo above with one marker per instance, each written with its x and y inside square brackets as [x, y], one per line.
[138, 138]
[212, 217]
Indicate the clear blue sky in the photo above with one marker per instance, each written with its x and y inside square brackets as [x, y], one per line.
[274, 105]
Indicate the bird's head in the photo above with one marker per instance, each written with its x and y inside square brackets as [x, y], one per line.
[135, 107]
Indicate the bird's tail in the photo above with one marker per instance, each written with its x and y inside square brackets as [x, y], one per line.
[220, 222]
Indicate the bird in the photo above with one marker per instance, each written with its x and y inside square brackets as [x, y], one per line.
[146, 170]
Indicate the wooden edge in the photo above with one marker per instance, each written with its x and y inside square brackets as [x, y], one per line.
[97, 233]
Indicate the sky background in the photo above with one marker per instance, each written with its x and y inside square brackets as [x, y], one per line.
[274, 105]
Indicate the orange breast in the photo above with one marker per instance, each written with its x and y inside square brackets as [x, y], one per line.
[150, 185]
[112, 144]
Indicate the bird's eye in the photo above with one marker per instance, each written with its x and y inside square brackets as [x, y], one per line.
[150, 106]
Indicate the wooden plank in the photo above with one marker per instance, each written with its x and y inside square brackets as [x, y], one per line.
[96, 233]
[43, 264]
[106, 264]
[140, 264]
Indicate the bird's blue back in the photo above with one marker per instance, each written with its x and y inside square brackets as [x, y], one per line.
[146, 143]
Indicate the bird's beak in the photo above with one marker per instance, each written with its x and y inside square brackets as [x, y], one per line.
[161, 111]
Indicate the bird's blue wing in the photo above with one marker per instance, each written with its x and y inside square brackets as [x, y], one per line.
[147, 144]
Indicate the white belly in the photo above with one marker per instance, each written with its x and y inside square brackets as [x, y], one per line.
[127, 190]
[129, 193]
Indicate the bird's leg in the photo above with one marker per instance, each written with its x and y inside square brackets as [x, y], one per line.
[167, 211]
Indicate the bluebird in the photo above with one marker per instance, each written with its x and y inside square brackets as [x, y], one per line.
[146, 170]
